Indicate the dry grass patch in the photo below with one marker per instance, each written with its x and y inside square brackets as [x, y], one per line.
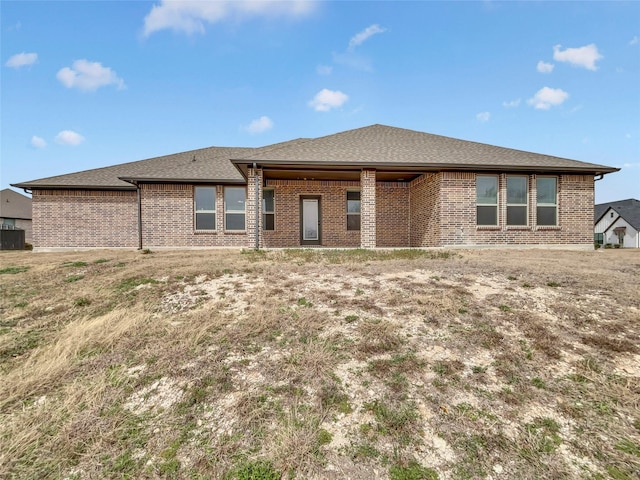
[320, 364]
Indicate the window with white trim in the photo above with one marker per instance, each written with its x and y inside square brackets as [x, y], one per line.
[517, 200]
[268, 209]
[547, 201]
[204, 205]
[487, 200]
[234, 208]
[353, 210]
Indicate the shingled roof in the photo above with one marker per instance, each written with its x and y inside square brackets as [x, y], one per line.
[195, 165]
[628, 209]
[376, 146]
[384, 146]
[14, 205]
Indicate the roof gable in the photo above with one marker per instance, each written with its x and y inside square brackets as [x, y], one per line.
[14, 205]
[628, 209]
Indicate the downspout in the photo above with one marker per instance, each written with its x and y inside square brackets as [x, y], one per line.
[600, 177]
[257, 205]
[139, 217]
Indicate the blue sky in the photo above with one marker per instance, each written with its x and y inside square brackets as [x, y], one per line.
[86, 84]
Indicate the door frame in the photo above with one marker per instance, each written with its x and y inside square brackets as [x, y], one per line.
[302, 240]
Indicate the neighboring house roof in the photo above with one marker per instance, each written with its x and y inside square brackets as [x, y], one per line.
[376, 146]
[14, 205]
[628, 209]
[381, 145]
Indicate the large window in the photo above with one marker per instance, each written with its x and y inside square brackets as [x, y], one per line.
[268, 209]
[487, 200]
[353, 210]
[205, 208]
[547, 201]
[517, 200]
[234, 211]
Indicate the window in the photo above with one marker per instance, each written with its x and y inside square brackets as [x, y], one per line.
[9, 221]
[598, 238]
[234, 201]
[517, 200]
[353, 210]
[546, 203]
[487, 200]
[205, 207]
[268, 209]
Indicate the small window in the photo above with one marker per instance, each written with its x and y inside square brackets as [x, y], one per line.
[9, 221]
[546, 201]
[205, 208]
[268, 209]
[487, 200]
[517, 200]
[353, 210]
[234, 208]
[598, 238]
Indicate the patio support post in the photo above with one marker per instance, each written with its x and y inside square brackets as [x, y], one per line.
[254, 206]
[368, 208]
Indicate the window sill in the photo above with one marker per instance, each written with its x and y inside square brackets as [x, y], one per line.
[235, 232]
[488, 227]
[518, 227]
[548, 227]
[205, 232]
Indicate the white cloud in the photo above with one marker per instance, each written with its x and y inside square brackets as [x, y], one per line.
[512, 103]
[634, 40]
[543, 67]
[360, 37]
[190, 16]
[22, 60]
[38, 142]
[88, 76]
[326, 99]
[69, 137]
[483, 117]
[546, 97]
[586, 56]
[260, 125]
[324, 70]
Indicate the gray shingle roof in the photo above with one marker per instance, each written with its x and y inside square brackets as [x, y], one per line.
[628, 209]
[384, 145]
[14, 205]
[377, 145]
[210, 163]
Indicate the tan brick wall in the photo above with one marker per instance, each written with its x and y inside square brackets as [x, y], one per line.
[333, 204]
[368, 209]
[458, 213]
[424, 216]
[392, 214]
[84, 218]
[168, 219]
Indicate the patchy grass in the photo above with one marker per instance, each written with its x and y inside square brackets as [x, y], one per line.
[312, 363]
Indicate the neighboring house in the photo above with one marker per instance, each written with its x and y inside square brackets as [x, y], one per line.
[375, 186]
[15, 212]
[618, 223]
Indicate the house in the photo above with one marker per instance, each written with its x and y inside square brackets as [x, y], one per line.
[15, 212]
[618, 223]
[376, 186]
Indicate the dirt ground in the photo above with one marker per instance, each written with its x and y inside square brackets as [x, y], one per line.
[320, 364]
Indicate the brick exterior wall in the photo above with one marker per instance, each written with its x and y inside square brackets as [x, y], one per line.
[84, 218]
[436, 209]
[333, 205]
[424, 210]
[168, 219]
[458, 213]
[392, 214]
[368, 209]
